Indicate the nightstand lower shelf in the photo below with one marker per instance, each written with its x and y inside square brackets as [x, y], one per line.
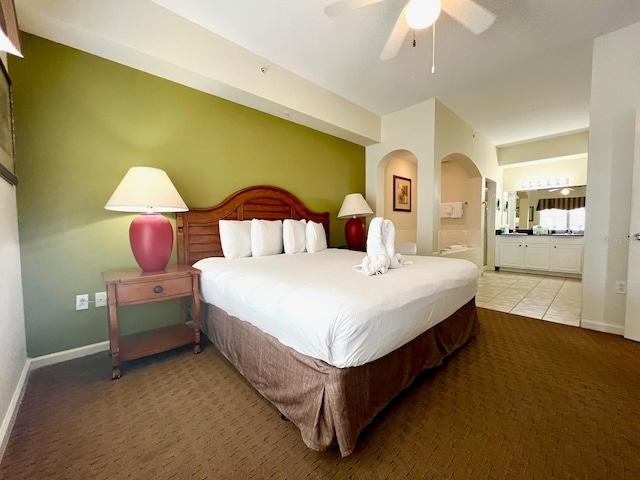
[134, 287]
[155, 341]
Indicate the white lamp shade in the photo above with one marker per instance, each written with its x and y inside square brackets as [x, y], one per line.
[146, 189]
[354, 205]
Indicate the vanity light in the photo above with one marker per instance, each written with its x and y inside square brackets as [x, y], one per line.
[544, 183]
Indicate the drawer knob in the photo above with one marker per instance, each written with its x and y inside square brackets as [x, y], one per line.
[157, 289]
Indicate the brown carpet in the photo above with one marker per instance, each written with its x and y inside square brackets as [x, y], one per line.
[526, 399]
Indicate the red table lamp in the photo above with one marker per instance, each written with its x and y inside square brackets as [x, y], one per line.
[148, 190]
[354, 206]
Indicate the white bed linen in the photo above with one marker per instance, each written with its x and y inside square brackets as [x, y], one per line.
[316, 304]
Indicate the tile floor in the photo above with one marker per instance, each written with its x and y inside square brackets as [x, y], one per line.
[557, 299]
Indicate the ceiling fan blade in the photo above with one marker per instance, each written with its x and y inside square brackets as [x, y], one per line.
[396, 37]
[344, 6]
[471, 15]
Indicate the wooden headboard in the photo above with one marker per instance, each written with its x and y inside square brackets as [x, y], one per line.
[198, 231]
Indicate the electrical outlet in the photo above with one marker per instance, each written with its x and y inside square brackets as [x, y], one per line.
[621, 287]
[101, 299]
[82, 301]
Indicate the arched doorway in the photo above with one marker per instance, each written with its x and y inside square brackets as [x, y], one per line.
[461, 222]
[402, 164]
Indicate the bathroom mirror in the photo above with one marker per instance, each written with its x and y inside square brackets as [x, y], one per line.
[520, 207]
[510, 204]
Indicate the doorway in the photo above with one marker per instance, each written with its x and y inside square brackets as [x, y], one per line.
[489, 222]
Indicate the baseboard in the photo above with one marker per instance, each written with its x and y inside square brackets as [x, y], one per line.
[539, 272]
[571, 323]
[44, 360]
[602, 327]
[12, 411]
[33, 364]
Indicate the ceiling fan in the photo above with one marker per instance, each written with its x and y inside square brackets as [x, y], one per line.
[563, 190]
[418, 14]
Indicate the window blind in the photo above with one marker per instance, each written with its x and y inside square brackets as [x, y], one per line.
[565, 203]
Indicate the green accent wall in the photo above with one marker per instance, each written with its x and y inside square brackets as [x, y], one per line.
[81, 121]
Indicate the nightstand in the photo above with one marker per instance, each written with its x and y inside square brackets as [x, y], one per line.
[135, 287]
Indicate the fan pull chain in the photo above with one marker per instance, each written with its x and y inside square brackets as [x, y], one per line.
[433, 52]
[433, 47]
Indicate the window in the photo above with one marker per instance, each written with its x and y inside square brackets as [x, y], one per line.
[556, 219]
[576, 219]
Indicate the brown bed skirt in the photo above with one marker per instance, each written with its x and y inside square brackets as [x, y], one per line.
[326, 403]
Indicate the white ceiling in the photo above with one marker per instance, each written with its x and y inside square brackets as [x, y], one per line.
[528, 76]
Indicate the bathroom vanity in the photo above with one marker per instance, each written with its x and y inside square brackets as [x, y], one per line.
[548, 254]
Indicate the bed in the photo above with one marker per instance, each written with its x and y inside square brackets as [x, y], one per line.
[331, 391]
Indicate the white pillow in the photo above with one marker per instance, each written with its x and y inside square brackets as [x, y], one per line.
[235, 237]
[266, 237]
[293, 236]
[316, 239]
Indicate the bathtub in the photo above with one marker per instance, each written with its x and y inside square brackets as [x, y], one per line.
[473, 254]
[407, 248]
[465, 244]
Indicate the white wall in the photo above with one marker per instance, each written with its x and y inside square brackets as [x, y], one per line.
[615, 96]
[455, 136]
[211, 64]
[567, 145]
[408, 130]
[13, 352]
[574, 168]
[457, 186]
[431, 132]
[404, 222]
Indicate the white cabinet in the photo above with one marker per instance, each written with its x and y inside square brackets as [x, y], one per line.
[524, 251]
[566, 255]
[511, 252]
[540, 253]
[536, 256]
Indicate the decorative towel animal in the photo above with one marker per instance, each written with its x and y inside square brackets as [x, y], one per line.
[377, 261]
[389, 237]
[381, 254]
[374, 264]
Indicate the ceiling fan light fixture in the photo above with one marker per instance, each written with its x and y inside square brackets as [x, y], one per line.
[422, 13]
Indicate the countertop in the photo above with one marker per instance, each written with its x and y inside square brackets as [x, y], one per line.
[522, 234]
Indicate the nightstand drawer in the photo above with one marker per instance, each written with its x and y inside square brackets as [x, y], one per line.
[142, 292]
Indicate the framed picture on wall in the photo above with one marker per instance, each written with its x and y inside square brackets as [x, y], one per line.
[7, 163]
[401, 194]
